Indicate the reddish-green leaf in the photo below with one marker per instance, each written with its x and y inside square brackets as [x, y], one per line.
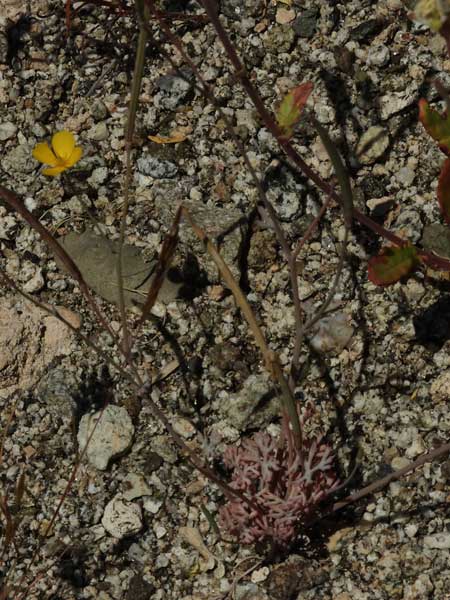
[393, 263]
[290, 109]
[443, 190]
[438, 126]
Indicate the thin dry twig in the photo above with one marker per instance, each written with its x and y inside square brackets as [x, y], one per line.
[271, 359]
[378, 485]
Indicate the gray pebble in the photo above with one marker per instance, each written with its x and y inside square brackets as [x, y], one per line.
[305, 24]
[7, 130]
[98, 176]
[19, 160]
[333, 333]
[440, 541]
[112, 436]
[406, 176]
[99, 110]
[378, 56]
[156, 167]
[365, 30]
[122, 518]
[372, 145]
[99, 132]
[436, 238]
[175, 88]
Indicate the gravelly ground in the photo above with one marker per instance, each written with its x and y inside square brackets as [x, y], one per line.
[377, 372]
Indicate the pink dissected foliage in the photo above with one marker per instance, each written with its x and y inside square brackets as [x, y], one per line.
[286, 485]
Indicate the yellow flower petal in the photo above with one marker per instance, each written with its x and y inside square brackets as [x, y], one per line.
[63, 144]
[53, 171]
[43, 154]
[74, 157]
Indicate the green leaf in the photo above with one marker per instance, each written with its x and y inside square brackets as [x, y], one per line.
[393, 263]
[340, 171]
[290, 110]
[438, 126]
[443, 190]
[431, 13]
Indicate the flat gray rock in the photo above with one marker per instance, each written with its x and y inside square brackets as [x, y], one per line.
[112, 436]
[96, 258]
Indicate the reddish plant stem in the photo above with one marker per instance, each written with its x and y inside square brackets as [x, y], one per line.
[312, 227]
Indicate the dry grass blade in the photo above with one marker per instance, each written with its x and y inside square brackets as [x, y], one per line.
[142, 14]
[379, 484]
[272, 362]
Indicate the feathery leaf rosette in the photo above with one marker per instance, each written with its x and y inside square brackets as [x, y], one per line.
[63, 154]
[285, 486]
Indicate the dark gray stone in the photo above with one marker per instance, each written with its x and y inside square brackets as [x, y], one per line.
[366, 30]
[139, 589]
[305, 24]
[175, 88]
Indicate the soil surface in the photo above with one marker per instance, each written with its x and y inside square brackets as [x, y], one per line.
[138, 521]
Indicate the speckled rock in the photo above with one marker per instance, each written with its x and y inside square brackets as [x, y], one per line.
[441, 541]
[156, 167]
[372, 145]
[122, 518]
[99, 132]
[19, 159]
[440, 388]
[174, 89]
[436, 237]
[139, 589]
[135, 486]
[280, 38]
[253, 404]
[333, 333]
[7, 130]
[111, 438]
[378, 56]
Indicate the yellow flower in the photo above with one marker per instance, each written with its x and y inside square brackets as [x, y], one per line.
[63, 156]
